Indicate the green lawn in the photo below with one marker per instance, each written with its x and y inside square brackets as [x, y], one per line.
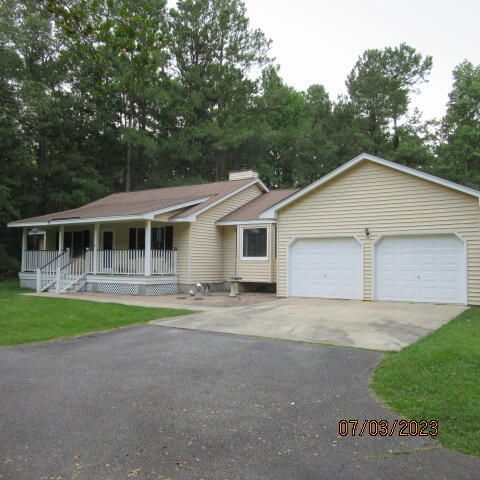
[25, 319]
[438, 378]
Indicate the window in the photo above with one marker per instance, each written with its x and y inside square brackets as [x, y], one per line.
[162, 238]
[136, 239]
[34, 242]
[76, 242]
[254, 243]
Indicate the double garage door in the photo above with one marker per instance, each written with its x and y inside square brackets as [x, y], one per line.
[414, 268]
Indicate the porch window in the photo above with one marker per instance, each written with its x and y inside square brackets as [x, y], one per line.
[254, 244]
[136, 239]
[34, 242]
[77, 242]
[162, 238]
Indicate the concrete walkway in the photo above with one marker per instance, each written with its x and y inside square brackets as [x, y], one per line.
[373, 325]
[212, 301]
[384, 326]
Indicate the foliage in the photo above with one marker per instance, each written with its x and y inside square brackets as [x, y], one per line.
[98, 96]
[459, 154]
[380, 86]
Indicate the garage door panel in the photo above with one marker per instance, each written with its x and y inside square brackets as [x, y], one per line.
[326, 268]
[420, 268]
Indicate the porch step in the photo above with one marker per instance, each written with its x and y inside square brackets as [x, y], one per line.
[72, 289]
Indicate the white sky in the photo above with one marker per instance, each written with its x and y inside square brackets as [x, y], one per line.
[319, 41]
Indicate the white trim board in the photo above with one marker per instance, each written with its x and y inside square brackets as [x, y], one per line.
[272, 211]
[245, 222]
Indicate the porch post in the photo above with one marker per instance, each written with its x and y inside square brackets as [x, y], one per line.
[96, 239]
[148, 247]
[24, 247]
[61, 241]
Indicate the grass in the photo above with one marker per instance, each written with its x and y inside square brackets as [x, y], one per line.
[26, 319]
[438, 378]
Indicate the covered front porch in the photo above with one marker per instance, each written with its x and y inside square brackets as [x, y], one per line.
[117, 257]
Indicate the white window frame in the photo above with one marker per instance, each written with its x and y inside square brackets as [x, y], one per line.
[261, 259]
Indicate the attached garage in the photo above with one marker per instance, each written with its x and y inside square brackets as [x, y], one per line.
[326, 268]
[377, 230]
[420, 268]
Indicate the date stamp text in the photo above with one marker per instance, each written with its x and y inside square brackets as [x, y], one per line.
[384, 428]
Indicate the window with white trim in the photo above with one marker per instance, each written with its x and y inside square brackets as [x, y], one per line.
[254, 243]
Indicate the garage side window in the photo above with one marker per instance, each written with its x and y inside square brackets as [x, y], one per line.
[254, 244]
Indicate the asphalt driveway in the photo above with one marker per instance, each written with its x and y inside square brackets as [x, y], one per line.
[375, 325]
[166, 403]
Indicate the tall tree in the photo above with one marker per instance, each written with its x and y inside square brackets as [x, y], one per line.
[459, 151]
[381, 84]
[123, 43]
[214, 50]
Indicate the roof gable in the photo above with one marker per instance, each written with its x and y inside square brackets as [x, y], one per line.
[271, 212]
[250, 211]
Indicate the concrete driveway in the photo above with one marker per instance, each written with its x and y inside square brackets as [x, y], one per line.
[166, 404]
[374, 325]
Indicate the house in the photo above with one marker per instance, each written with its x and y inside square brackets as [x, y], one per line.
[370, 230]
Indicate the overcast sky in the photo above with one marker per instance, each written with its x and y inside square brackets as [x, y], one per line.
[319, 41]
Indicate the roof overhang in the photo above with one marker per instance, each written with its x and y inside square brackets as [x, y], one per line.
[112, 218]
[272, 211]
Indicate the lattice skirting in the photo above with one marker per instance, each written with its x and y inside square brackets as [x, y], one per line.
[28, 283]
[129, 288]
[162, 289]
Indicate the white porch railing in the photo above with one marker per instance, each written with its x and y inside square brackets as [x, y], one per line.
[72, 274]
[131, 262]
[164, 262]
[46, 276]
[34, 259]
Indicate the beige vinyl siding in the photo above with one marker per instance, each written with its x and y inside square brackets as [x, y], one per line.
[385, 201]
[255, 270]
[206, 257]
[229, 252]
[181, 241]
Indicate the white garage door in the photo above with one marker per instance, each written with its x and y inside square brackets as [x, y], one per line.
[326, 268]
[420, 268]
